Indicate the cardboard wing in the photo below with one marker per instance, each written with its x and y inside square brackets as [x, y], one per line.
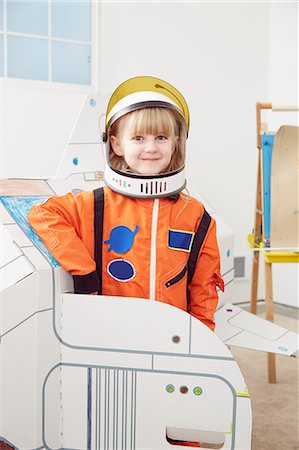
[234, 326]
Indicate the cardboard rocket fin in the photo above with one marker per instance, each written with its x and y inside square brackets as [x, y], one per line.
[83, 156]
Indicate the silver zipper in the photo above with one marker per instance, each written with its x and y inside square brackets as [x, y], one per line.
[154, 250]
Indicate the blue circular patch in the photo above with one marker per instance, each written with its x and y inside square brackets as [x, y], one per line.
[121, 270]
[121, 239]
[92, 102]
[75, 161]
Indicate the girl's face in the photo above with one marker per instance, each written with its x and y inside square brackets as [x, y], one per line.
[144, 153]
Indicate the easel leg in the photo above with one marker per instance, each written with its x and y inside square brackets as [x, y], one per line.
[254, 282]
[270, 316]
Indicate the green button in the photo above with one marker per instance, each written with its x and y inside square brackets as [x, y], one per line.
[170, 388]
[197, 390]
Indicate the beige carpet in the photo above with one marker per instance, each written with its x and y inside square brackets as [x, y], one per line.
[274, 406]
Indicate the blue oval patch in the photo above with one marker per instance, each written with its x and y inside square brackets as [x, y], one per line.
[121, 270]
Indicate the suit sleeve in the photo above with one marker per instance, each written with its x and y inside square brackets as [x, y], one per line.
[61, 223]
[206, 279]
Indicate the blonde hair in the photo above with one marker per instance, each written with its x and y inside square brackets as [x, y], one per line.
[152, 120]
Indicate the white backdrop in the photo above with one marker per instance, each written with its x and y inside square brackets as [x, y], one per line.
[224, 57]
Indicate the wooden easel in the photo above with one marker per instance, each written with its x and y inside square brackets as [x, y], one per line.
[256, 241]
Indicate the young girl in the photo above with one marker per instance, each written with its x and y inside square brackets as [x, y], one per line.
[139, 236]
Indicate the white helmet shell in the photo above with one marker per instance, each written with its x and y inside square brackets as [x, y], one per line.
[139, 93]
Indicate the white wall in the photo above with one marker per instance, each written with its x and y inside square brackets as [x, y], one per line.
[283, 54]
[220, 55]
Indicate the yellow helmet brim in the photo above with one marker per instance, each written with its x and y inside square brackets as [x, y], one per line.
[144, 85]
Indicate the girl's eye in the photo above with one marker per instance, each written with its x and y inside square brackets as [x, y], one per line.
[161, 137]
[137, 138]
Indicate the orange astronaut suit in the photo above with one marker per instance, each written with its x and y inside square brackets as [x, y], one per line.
[133, 247]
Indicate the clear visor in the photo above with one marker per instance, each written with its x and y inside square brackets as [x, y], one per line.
[147, 142]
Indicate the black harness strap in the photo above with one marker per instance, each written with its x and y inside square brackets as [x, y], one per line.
[98, 231]
[197, 243]
[199, 237]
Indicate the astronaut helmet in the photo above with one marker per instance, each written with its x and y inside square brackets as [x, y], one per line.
[146, 127]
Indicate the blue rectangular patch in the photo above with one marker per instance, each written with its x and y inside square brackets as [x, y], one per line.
[180, 240]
